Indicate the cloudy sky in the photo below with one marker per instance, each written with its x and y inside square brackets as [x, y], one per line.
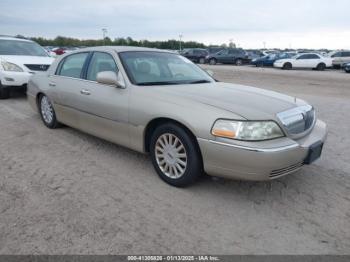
[249, 23]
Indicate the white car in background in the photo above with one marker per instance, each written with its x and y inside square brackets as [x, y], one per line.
[19, 60]
[305, 60]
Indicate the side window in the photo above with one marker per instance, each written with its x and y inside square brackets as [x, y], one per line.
[346, 54]
[72, 65]
[302, 57]
[313, 56]
[100, 62]
[338, 54]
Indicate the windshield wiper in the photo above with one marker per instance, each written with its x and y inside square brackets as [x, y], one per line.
[157, 83]
[202, 81]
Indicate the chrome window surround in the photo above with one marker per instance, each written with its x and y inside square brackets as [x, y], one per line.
[298, 121]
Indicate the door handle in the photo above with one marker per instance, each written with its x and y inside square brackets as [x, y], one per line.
[52, 84]
[85, 92]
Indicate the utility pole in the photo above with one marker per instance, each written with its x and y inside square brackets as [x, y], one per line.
[104, 33]
[180, 36]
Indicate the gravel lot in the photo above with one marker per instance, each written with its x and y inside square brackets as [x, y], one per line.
[65, 192]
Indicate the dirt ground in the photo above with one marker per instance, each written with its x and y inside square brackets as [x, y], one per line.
[65, 192]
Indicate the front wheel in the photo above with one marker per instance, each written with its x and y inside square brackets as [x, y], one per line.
[47, 112]
[321, 67]
[287, 66]
[4, 92]
[175, 155]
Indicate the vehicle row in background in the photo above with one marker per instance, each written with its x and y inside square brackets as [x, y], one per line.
[319, 60]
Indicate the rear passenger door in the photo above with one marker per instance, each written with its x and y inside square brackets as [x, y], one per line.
[66, 84]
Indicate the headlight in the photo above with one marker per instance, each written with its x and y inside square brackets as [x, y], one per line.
[11, 67]
[246, 130]
[254, 60]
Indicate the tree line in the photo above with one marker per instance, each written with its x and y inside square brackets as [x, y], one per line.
[128, 41]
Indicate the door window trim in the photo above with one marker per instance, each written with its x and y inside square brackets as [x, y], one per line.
[88, 64]
[60, 65]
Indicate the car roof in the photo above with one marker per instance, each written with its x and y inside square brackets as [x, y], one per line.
[120, 49]
[14, 38]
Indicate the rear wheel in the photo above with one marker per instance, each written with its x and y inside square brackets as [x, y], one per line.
[212, 61]
[175, 155]
[287, 66]
[4, 92]
[47, 112]
[321, 67]
[201, 60]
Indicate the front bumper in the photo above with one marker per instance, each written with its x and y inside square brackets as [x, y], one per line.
[278, 65]
[260, 160]
[12, 79]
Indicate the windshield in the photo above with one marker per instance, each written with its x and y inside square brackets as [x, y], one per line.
[24, 48]
[158, 68]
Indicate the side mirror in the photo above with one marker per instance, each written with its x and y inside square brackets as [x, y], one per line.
[211, 73]
[110, 78]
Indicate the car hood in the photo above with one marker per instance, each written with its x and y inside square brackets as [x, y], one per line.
[22, 60]
[248, 102]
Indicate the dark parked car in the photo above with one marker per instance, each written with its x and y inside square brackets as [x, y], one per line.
[235, 56]
[347, 68]
[197, 55]
[270, 59]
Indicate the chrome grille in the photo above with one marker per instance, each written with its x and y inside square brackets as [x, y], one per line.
[298, 120]
[37, 67]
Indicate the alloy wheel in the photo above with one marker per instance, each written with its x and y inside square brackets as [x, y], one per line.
[46, 109]
[171, 155]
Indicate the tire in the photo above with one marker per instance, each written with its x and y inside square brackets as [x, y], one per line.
[260, 64]
[47, 112]
[4, 92]
[238, 62]
[212, 61]
[201, 60]
[287, 66]
[321, 67]
[168, 140]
